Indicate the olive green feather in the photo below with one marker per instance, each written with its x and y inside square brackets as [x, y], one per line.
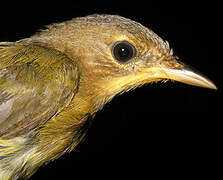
[36, 83]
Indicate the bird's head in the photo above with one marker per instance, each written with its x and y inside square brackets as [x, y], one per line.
[116, 54]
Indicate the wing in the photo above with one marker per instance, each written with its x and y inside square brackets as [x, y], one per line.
[35, 84]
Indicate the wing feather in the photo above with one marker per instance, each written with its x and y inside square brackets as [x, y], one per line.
[35, 84]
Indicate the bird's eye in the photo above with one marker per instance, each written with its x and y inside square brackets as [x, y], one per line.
[123, 51]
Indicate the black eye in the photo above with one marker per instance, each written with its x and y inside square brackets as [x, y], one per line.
[123, 51]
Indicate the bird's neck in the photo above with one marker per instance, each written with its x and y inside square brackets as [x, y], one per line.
[64, 131]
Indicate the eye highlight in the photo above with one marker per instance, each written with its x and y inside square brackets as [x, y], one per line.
[123, 51]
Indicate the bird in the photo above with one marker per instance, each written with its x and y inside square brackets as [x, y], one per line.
[53, 83]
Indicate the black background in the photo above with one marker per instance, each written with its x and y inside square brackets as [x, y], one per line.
[159, 130]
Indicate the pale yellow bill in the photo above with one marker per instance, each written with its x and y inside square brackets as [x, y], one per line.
[186, 75]
[189, 77]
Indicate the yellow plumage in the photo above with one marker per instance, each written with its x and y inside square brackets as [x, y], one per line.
[54, 81]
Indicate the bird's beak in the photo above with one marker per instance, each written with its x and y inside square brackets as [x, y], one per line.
[185, 74]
